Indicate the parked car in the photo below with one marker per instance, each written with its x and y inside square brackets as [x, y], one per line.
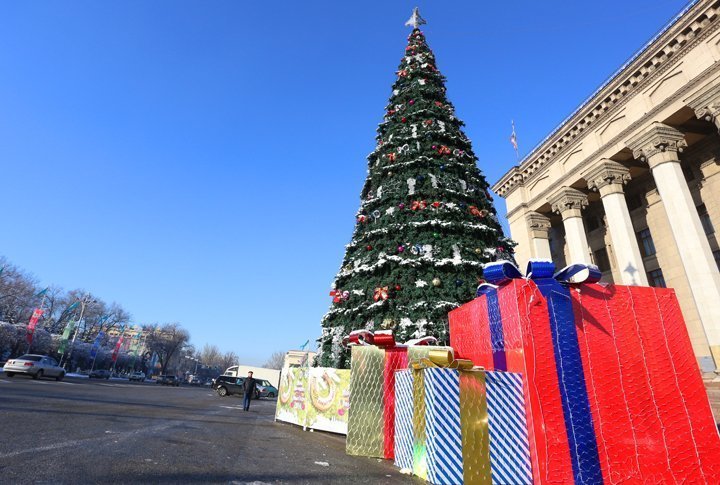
[168, 381]
[100, 374]
[229, 385]
[266, 389]
[137, 376]
[35, 366]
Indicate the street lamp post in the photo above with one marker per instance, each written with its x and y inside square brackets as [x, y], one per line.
[197, 361]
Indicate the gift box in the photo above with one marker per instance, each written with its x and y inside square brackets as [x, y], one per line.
[371, 418]
[458, 424]
[612, 388]
[404, 420]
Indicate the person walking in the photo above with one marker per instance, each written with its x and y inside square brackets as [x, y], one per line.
[248, 390]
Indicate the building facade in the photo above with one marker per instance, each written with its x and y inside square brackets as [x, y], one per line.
[631, 180]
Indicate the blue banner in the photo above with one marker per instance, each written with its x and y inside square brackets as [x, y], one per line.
[96, 344]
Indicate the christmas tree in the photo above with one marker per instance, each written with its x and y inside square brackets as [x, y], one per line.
[426, 223]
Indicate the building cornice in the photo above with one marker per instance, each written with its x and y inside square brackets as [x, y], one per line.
[619, 138]
[678, 38]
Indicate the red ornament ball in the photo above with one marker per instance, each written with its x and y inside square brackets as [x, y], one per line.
[368, 247]
[404, 120]
[398, 287]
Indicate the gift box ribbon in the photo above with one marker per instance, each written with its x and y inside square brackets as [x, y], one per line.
[554, 286]
[473, 416]
[382, 338]
[442, 358]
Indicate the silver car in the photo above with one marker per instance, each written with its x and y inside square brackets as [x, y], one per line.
[35, 366]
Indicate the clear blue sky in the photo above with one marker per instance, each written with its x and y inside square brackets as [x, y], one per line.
[202, 162]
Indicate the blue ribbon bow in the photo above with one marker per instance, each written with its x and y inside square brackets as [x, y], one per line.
[502, 272]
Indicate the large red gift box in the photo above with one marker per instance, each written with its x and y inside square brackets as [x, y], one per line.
[613, 391]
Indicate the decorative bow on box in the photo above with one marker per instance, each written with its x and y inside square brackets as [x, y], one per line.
[502, 272]
[382, 338]
[444, 359]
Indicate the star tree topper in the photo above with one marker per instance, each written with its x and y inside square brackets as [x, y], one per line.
[415, 19]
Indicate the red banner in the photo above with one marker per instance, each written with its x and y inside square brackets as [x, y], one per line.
[32, 324]
[117, 348]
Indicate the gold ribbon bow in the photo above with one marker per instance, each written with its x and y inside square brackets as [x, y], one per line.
[442, 358]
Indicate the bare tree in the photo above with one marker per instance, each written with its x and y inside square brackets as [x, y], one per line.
[210, 355]
[276, 361]
[166, 341]
[17, 293]
[228, 359]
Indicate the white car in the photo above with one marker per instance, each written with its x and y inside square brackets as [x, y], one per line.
[35, 366]
[137, 376]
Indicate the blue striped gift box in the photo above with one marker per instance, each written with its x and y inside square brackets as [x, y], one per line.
[509, 446]
[442, 417]
[404, 419]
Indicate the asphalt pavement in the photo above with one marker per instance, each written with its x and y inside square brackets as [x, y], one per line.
[97, 431]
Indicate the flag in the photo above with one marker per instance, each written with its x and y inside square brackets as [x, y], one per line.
[513, 137]
[96, 344]
[302, 347]
[32, 324]
[66, 336]
[117, 348]
[42, 292]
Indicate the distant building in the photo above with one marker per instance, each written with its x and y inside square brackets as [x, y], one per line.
[631, 180]
[298, 358]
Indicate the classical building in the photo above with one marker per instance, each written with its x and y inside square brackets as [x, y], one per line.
[631, 180]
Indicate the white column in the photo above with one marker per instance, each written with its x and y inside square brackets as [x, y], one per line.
[608, 178]
[569, 202]
[539, 226]
[659, 147]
